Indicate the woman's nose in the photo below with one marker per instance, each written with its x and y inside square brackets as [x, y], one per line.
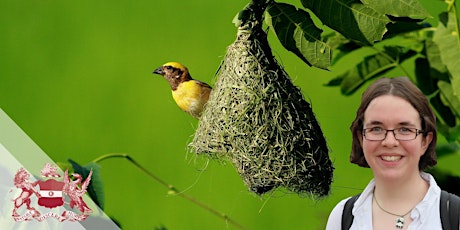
[390, 138]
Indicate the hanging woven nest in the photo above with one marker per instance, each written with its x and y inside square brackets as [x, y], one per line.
[259, 120]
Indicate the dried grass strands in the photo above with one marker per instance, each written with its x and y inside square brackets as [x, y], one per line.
[259, 120]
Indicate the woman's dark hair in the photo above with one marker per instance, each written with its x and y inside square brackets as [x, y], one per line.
[401, 87]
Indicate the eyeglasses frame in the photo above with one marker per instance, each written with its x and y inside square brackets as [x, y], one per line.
[417, 132]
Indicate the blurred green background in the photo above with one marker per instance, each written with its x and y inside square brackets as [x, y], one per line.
[76, 76]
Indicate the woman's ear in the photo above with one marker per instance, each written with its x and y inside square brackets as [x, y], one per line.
[426, 141]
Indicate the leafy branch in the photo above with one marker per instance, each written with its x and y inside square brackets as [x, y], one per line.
[360, 22]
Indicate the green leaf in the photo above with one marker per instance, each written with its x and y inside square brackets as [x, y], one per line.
[445, 179]
[398, 8]
[372, 66]
[351, 18]
[411, 34]
[449, 97]
[445, 113]
[434, 58]
[448, 40]
[298, 34]
[96, 187]
[340, 45]
[427, 83]
[335, 40]
[447, 149]
[422, 73]
[398, 28]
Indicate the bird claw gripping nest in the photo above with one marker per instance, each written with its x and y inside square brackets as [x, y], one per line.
[259, 120]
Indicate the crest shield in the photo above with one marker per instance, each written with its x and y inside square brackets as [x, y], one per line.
[51, 193]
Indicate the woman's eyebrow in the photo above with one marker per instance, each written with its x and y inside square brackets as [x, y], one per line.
[374, 122]
[402, 123]
[406, 123]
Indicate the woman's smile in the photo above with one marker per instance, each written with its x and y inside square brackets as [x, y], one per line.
[390, 158]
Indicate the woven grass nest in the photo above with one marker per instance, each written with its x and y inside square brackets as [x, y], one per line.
[260, 121]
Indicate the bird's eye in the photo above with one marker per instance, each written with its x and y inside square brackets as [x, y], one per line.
[168, 67]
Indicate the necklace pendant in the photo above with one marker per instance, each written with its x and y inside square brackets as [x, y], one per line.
[400, 222]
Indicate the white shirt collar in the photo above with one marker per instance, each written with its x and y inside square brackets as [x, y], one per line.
[424, 210]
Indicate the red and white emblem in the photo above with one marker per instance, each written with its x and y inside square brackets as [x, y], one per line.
[51, 194]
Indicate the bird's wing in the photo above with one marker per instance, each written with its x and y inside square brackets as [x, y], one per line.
[66, 176]
[85, 184]
[203, 84]
[66, 181]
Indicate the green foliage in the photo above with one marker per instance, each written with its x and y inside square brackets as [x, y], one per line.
[359, 23]
[451, 97]
[401, 8]
[448, 40]
[448, 149]
[370, 67]
[437, 66]
[297, 33]
[351, 18]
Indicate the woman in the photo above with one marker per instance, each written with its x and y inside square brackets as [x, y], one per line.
[394, 133]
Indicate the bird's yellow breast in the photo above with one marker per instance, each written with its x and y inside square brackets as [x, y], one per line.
[191, 96]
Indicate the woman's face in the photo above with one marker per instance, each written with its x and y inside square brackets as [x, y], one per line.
[390, 158]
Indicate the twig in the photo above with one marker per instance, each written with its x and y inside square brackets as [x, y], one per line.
[171, 188]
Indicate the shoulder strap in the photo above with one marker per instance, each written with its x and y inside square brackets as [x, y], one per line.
[449, 210]
[347, 216]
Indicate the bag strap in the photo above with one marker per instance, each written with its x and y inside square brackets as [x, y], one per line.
[449, 210]
[347, 215]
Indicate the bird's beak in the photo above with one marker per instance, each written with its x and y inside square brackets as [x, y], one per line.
[159, 70]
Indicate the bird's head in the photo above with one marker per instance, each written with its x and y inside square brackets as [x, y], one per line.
[76, 176]
[174, 72]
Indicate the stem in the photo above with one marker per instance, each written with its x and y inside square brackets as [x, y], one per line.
[252, 15]
[251, 20]
[170, 187]
[395, 61]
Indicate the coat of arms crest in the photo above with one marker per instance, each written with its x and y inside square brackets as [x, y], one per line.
[52, 192]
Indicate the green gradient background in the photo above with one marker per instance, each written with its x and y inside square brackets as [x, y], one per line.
[76, 77]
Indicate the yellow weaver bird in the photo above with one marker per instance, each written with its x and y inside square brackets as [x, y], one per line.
[190, 95]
